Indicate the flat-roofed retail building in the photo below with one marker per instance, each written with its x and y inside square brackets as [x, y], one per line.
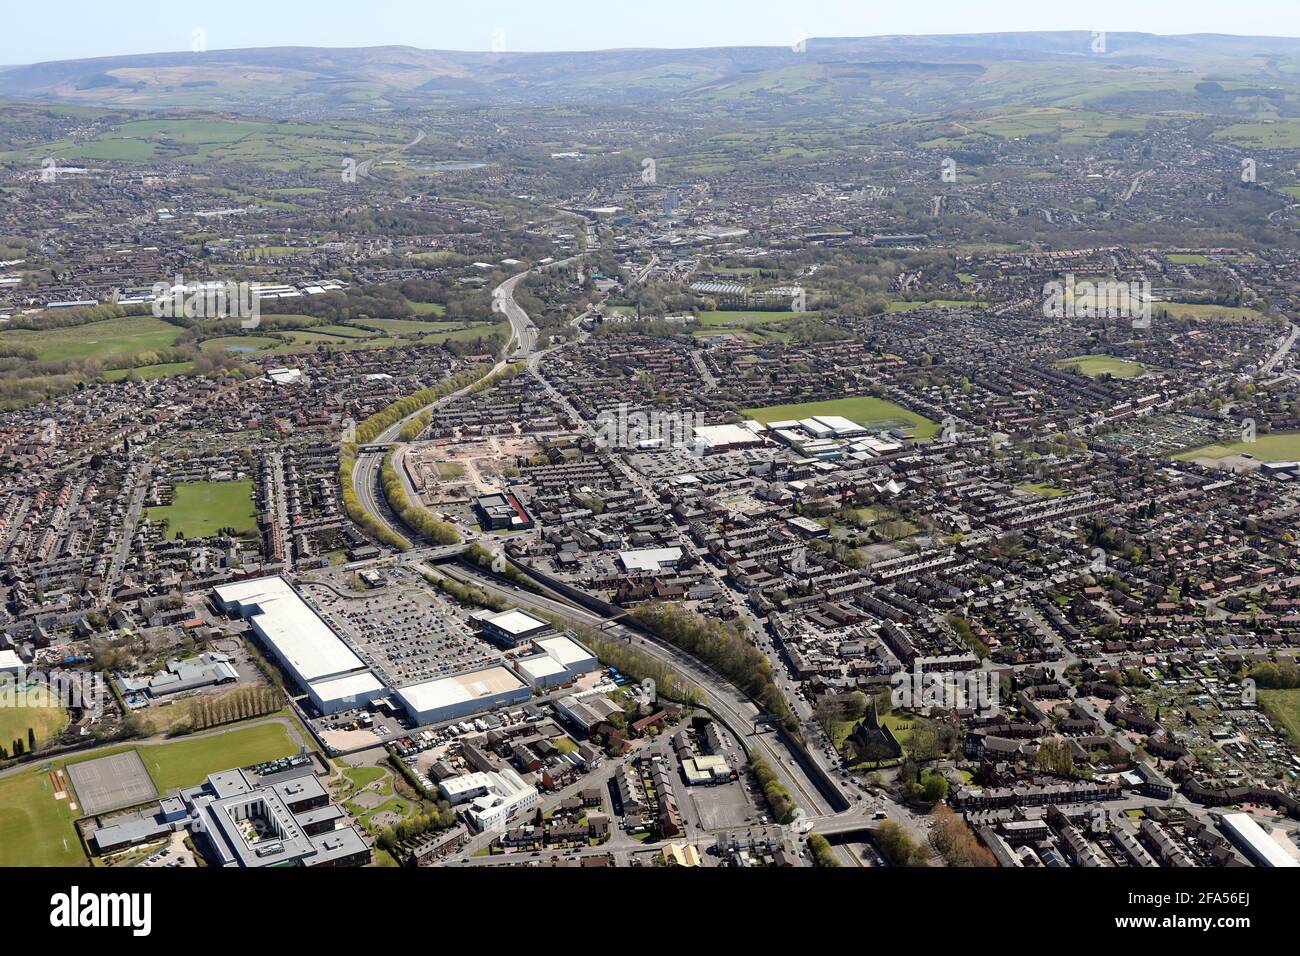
[305, 646]
[463, 695]
[512, 628]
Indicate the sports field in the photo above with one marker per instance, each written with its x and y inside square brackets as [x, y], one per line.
[35, 712]
[1282, 446]
[126, 336]
[1095, 366]
[36, 828]
[864, 409]
[199, 509]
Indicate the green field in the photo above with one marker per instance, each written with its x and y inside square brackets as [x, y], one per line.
[113, 337]
[37, 830]
[1188, 259]
[36, 713]
[1283, 134]
[864, 409]
[185, 763]
[164, 370]
[1283, 706]
[1042, 490]
[1282, 446]
[902, 305]
[1095, 366]
[212, 139]
[199, 509]
[1196, 310]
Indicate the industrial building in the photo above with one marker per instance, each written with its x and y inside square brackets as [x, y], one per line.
[511, 628]
[557, 661]
[207, 670]
[239, 819]
[1249, 837]
[651, 560]
[716, 439]
[304, 645]
[463, 695]
[490, 798]
[502, 512]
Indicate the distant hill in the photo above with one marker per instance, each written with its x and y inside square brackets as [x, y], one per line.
[879, 76]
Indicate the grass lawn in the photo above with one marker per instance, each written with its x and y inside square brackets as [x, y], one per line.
[863, 409]
[113, 337]
[1280, 446]
[900, 305]
[163, 370]
[37, 830]
[1095, 366]
[199, 509]
[1283, 706]
[1045, 491]
[184, 763]
[1196, 310]
[1188, 259]
[37, 712]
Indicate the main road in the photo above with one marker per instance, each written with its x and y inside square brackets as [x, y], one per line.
[523, 334]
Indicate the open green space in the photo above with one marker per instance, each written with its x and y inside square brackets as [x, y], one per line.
[1095, 366]
[902, 305]
[36, 829]
[1042, 490]
[866, 410]
[1200, 310]
[200, 508]
[29, 708]
[163, 370]
[1283, 706]
[99, 340]
[1282, 446]
[1281, 134]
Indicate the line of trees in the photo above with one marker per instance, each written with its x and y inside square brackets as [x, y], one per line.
[357, 511]
[957, 842]
[641, 666]
[418, 519]
[386, 418]
[821, 850]
[724, 647]
[775, 793]
[241, 704]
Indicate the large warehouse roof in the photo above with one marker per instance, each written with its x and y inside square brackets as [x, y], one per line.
[516, 622]
[1251, 834]
[721, 436]
[305, 643]
[360, 687]
[564, 649]
[446, 691]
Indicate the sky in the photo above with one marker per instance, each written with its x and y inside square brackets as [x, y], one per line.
[32, 32]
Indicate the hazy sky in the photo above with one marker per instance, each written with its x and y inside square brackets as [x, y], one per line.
[72, 29]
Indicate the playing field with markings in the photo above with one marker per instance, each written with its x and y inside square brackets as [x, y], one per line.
[108, 783]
